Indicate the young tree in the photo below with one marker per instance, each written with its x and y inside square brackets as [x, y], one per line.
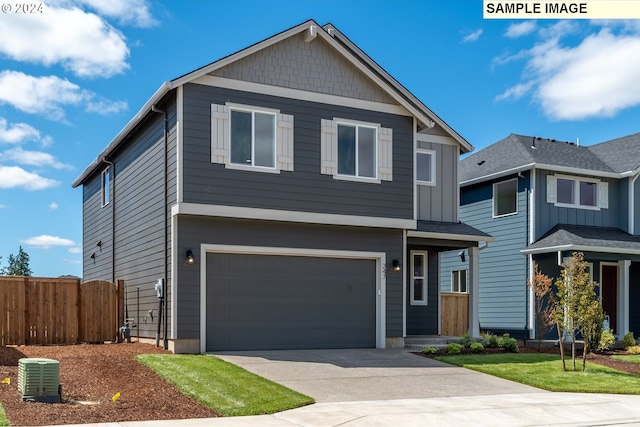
[18, 265]
[578, 309]
[545, 302]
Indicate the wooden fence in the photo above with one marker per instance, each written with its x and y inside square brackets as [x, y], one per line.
[39, 311]
[455, 314]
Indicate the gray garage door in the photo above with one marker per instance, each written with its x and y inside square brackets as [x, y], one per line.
[258, 302]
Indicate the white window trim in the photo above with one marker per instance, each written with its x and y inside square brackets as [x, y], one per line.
[356, 177]
[466, 273]
[431, 183]
[424, 277]
[105, 198]
[493, 199]
[576, 192]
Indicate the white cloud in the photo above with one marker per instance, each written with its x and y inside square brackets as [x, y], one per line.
[75, 250]
[48, 95]
[598, 77]
[81, 42]
[106, 107]
[32, 158]
[53, 206]
[71, 261]
[45, 241]
[16, 177]
[470, 38]
[131, 12]
[520, 29]
[2, 206]
[17, 132]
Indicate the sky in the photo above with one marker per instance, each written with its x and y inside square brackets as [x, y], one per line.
[74, 72]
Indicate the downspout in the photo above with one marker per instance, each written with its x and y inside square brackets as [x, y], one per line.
[632, 222]
[164, 207]
[113, 219]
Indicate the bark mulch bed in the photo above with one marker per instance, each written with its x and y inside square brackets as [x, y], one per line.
[90, 376]
[601, 358]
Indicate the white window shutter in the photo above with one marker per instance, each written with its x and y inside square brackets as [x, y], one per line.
[285, 142]
[219, 133]
[328, 147]
[552, 189]
[385, 154]
[603, 195]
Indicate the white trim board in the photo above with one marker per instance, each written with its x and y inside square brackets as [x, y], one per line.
[379, 257]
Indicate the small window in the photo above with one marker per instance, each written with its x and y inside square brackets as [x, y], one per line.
[357, 151]
[588, 193]
[419, 278]
[574, 192]
[459, 281]
[106, 188]
[426, 167]
[505, 198]
[566, 191]
[253, 138]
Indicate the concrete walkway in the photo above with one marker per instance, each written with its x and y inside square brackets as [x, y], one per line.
[395, 388]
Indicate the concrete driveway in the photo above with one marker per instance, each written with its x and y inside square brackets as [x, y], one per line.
[369, 374]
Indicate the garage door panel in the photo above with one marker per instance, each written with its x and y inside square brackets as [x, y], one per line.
[274, 301]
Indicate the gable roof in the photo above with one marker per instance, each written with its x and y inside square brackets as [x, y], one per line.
[516, 153]
[425, 117]
[585, 238]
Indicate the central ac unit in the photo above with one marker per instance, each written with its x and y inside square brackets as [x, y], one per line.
[38, 379]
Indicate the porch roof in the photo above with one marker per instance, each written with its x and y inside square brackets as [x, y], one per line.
[585, 238]
[449, 231]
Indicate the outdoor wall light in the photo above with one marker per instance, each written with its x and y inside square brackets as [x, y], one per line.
[99, 243]
[462, 257]
[396, 265]
[190, 258]
[93, 255]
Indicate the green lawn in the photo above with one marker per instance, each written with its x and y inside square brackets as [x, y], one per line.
[545, 371]
[226, 388]
[635, 358]
[3, 417]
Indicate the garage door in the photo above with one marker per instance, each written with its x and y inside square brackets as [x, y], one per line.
[257, 302]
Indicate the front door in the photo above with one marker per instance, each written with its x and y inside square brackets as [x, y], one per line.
[609, 290]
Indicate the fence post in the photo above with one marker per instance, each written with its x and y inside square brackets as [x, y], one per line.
[27, 312]
[120, 307]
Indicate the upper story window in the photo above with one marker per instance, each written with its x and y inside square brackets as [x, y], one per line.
[106, 187]
[575, 192]
[505, 198]
[356, 151]
[251, 138]
[426, 167]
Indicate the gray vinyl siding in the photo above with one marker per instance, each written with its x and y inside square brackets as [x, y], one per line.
[547, 215]
[503, 270]
[138, 192]
[440, 202]
[194, 231]
[305, 189]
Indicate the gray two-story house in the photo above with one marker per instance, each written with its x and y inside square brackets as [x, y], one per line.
[542, 200]
[290, 195]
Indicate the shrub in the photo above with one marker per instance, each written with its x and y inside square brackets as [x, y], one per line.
[509, 344]
[430, 350]
[476, 347]
[466, 340]
[628, 341]
[489, 340]
[634, 349]
[454, 348]
[607, 340]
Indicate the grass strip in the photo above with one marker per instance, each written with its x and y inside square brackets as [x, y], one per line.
[222, 386]
[635, 358]
[545, 371]
[3, 417]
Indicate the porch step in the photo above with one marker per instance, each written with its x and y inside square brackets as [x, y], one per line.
[418, 342]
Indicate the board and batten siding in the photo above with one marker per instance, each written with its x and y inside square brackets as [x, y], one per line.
[503, 269]
[138, 194]
[304, 189]
[197, 230]
[548, 215]
[439, 202]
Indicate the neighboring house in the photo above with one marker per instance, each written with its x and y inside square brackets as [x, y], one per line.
[292, 195]
[542, 200]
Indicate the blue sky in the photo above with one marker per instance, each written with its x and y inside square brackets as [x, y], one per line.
[75, 72]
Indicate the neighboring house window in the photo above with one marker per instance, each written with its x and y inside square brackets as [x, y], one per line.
[251, 138]
[459, 281]
[574, 192]
[505, 198]
[106, 187]
[356, 151]
[426, 167]
[418, 278]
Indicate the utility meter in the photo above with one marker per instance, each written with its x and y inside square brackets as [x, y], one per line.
[159, 288]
